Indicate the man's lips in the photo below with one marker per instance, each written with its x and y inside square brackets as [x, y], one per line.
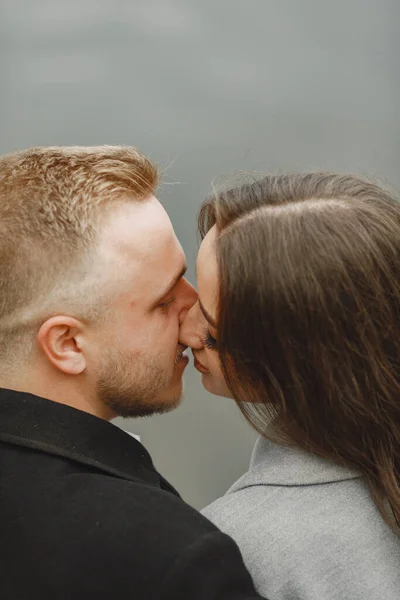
[182, 357]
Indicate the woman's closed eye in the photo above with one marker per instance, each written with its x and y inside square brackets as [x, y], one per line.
[209, 341]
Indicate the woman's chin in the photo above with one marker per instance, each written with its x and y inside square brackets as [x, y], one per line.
[215, 388]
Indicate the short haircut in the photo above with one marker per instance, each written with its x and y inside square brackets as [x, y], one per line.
[52, 201]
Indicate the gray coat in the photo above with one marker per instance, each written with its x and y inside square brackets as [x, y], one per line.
[308, 529]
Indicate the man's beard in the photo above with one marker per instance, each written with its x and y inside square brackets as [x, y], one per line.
[134, 386]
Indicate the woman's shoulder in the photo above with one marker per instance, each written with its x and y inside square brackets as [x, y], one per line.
[287, 481]
[256, 507]
[277, 465]
[300, 519]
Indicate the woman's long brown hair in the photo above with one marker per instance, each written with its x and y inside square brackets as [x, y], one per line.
[309, 317]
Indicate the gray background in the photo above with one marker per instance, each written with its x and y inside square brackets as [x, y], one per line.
[206, 87]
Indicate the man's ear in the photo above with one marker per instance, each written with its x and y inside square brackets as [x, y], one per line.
[61, 339]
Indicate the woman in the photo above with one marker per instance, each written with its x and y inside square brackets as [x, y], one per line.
[298, 320]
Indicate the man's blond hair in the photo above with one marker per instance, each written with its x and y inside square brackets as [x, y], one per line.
[52, 200]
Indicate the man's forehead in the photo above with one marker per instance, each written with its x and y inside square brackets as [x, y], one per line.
[161, 273]
[139, 246]
[139, 229]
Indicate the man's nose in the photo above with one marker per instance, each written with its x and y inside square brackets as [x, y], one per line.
[189, 330]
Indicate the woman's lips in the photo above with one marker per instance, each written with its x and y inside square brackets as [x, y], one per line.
[200, 367]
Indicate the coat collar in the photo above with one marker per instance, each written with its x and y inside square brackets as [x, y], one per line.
[275, 464]
[34, 422]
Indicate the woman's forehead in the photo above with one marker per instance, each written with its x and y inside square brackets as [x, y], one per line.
[207, 248]
[207, 272]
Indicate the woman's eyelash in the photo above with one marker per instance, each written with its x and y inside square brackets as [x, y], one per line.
[209, 341]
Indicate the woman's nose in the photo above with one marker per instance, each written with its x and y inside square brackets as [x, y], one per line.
[190, 329]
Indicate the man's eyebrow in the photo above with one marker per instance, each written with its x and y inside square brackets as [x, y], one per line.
[171, 285]
[207, 316]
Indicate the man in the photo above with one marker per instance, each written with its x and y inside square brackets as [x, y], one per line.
[92, 296]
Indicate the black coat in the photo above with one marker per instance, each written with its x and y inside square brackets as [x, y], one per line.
[85, 515]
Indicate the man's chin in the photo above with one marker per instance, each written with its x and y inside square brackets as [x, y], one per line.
[165, 403]
[170, 399]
